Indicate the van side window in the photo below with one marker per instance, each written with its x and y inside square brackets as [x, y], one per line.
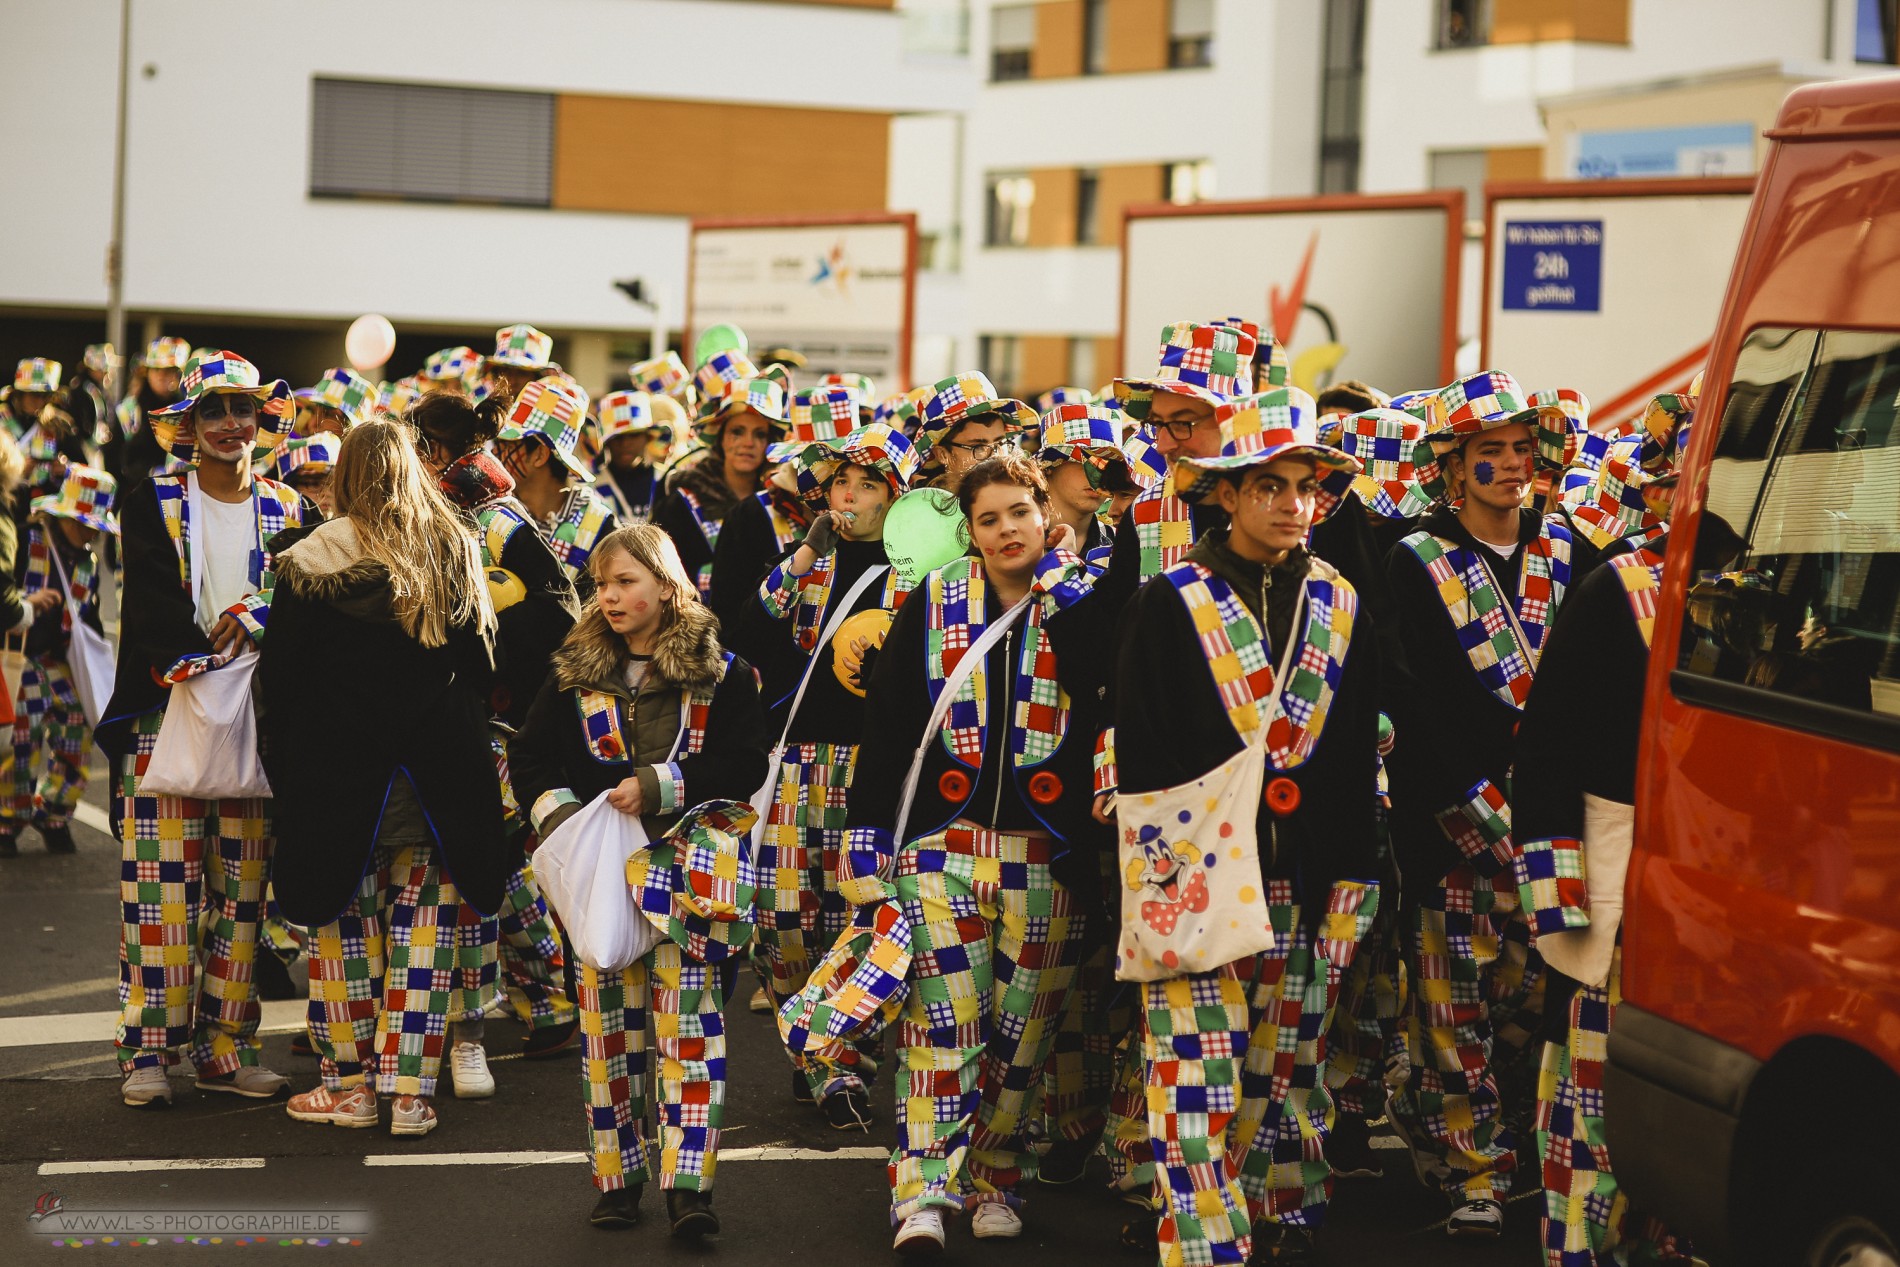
[1795, 604]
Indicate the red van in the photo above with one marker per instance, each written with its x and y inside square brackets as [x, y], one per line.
[1753, 1082]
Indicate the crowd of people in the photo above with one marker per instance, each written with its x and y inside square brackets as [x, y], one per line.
[1217, 798]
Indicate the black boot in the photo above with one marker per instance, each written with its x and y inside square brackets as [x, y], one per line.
[1066, 1161]
[617, 1208]
[550, 1040]
[1281, 1243]
[691, 1213]
[58, 839]
[801, 1088]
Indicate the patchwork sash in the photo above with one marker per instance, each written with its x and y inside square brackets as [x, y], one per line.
[1502, 644]
[814, 595]
[578, 528]
[499, 520]
[1242, 665]
[956, 619]
[1164, 528]
[40, 574]
[1640, 573]
[600, 713]
[278, 507]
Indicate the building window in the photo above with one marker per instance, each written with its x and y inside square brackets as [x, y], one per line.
[1464, 23]
[1876, 23]
[937, 28]
[1011, 198]
[1189, 182]
[1342, 96]
[1094, 36]
[1012, 39]
[1794, 603]
[1088, 186]
[411, 141]
[1190, 33]
[1001, 356]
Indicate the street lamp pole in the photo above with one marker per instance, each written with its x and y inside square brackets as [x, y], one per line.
[115, 252]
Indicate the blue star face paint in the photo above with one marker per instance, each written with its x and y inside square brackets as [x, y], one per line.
[1484, 471]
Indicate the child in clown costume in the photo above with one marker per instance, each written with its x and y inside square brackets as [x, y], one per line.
[983, 861]
[631, 435]
[537, 445]
[644, 705]
[44, 772]
[1237, 1107]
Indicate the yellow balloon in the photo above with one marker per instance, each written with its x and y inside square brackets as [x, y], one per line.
[505, 589]
[873, 627]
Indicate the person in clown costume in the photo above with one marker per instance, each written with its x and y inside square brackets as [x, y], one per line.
[522, 354]
[633, 442]
[339, 400]
[537, 445]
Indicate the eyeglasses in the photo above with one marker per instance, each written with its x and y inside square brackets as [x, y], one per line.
[211, 408]
[1181, 430]
[982, 449]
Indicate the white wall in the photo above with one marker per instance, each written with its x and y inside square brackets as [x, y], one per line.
[218, 219]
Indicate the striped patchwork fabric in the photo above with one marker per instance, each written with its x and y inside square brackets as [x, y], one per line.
[523, 346]
[499, 521]
[623, 413]
[1079, 1079]
[600, 714]
[825, 413]
[1480, 825]
[191, 889]
[1476, 609]
[860, 986]
[1164, 528]
[957, 618]
[1242, 663]
[1550, 884]
[709, 529]
[1483, 399]
[1145, 462]
[344, 390]
[1217, 358]
[716, 372]
[43, 770]
[996, 941]
[552, 410]
[1386, 442]
[661, 376]
[689, 1029]
[531, 953]
[1640, 573]
[583, 519]
[81, 566]
[806, 598]
[456, 364]
[1613, 505]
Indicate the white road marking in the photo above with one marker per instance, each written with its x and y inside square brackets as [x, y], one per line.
[553, 1158]
[129, 1166]
[281, 1016]
[53, 993]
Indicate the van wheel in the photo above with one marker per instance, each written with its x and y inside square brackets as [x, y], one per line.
[1851, 1241]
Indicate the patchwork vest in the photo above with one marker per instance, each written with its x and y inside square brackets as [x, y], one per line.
[1505, 662]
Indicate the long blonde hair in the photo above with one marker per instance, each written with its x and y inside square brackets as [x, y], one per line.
[403, 521]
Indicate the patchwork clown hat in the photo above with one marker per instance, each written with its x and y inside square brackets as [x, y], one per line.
[523, 347]
[862, 384]
[453, 365]
[879, 446]
[1270, 364]
[1665, 428]
[858, 988]
[1277, 424]
[822, 416]
[37, 374]
[962, 398]
[1492, 399]
[167, 353]
[903, 411]
[697, 884]
[343, 390]
[716, 373]
[219, 373]
[100, 358]
[1212, 362]
[1563, 432]
[393, 398]
[762, 395]
[85, 496]
[623, 413]
[312, 455]
[554, 412]
[1087, 434]
[1385, 443]
[1063, 396]
[1145, 461]
[661, 376]
[1622, 499]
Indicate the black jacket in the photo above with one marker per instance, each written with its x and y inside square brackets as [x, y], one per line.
[1171, 728]
[551, 751]
[747, 552]
[349, 703]
[706, 481]
[529, 631]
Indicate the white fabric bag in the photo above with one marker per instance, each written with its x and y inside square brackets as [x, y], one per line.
[768, 792]
[90, 655]
[207, 745]
[1584, 954]
[582, 870]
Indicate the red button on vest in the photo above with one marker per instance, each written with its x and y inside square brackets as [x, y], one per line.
[954, 785]
[1282, 796]
[1045, 788]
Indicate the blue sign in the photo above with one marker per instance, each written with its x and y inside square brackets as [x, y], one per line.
[1553, 265]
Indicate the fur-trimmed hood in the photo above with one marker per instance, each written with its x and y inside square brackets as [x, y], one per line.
[327, 565]
[687, 655]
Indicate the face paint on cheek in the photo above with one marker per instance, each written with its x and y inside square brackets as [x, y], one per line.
[1484, 471]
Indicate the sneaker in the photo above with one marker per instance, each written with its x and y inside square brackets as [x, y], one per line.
[801, 1088]
[1477, 1217]
[411, 1115]
[691, 1214]
[550, 1040]
[253, 1082]
[355, 1107]
[1349, 1149]
[58, 839]
[468, 1070]
[273, 976]
[760, 1001]
[921, 1234]
[147, 1087]
[1281, 1243]
[848, 1110]
[617, 1208]
[1066, 1161]
[994, 1220]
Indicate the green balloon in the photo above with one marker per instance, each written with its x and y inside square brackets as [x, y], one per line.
[923, 531]
[724, 337]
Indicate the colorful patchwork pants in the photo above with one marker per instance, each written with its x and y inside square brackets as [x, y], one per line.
[191, 888]
[385, 977]
[1079, 1080]
[43, 772]
[1367, 1033]
[532, 954]
[800, 913]
[996, 941]
[1476, 986]
[1587, 1218]
[1237, 1107]
[690, 1032]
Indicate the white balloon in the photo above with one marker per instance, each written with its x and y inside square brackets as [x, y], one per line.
[370, 341]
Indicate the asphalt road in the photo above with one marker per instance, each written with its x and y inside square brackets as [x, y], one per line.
[500, 1179]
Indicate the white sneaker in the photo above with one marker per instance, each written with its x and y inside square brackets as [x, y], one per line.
[147, 1087]
[995, 1221]
[468, 1070]
[411, 1115]
[1479, 1217]
[920, 1234]
[760, 1001]
[253, 1082]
